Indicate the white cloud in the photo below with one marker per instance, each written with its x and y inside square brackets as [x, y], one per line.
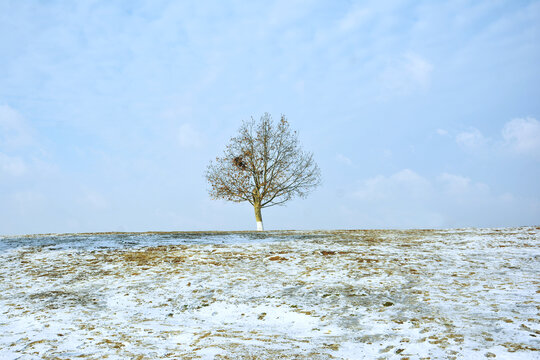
[354, 18]
[188, 137]
[343, 159]
[507, 197]
[400, 200]
[403, 183]
[408, 199]
[519, 136]
[522, 136]
[455, 184]
[442, 132]
[94, 199]
[21, 152]
[14, 131]
[12, 166]
[406, 74]
[418, 69]
[25, 202]
[472, 139]
[458, 185]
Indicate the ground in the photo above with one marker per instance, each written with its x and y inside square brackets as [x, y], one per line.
[418, 294]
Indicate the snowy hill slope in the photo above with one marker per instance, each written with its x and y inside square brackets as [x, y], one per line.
[417, 294]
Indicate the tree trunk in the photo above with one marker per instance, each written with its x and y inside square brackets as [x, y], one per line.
[258, 217]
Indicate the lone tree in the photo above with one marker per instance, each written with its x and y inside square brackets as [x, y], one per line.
[263, 165]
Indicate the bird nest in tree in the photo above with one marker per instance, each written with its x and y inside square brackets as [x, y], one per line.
[239, 163]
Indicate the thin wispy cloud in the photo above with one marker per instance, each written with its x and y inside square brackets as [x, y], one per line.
[12, 166]
[472, 139]
[408, 73]
[441, 132]
[15, 132]
[188, 137]
[343, 159]
[522, 135]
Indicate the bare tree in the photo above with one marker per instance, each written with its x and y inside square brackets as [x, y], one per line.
[263, 165]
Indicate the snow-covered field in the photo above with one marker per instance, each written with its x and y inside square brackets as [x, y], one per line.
[419, 294]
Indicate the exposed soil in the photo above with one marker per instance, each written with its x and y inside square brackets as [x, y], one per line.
[418, 294]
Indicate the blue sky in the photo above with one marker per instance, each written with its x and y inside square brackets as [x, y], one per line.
[420, 114]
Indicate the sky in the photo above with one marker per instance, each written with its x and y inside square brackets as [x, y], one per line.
[420, 114]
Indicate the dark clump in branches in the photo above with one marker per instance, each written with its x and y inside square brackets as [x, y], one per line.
[239, 163]
[263, 165]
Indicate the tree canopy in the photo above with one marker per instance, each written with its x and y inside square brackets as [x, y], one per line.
[263, 165]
